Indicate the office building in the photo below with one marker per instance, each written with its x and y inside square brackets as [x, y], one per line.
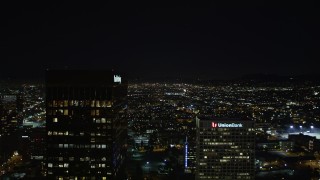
[225, 148]
[10, 114]
[86, 124]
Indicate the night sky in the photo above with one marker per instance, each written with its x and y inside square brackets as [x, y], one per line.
[212, 41]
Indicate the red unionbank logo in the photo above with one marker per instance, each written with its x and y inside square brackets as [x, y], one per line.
[214, 125]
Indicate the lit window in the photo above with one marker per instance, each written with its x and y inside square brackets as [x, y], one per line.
[55, 119]
[66, 165]
[50, 165]
[49, 133]
[103, 120]
[65, 112]
[65, 103]
[104, 146]
[109, 104]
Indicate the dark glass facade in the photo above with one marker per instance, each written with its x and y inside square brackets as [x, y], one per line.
[225, 149]
[86, 124]
[10, 114]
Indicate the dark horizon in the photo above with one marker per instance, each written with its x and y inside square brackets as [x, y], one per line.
[208, 41]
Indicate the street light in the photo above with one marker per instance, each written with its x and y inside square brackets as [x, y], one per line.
[300, 127]
[291, 127]
[311, 127]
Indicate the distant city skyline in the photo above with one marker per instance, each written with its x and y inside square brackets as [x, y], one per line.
[211, 41]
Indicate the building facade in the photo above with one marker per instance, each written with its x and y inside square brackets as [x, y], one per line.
[10, 114]
[225, 148]
[86, 124]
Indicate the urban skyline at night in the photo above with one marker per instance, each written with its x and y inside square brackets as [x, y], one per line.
[111, 90]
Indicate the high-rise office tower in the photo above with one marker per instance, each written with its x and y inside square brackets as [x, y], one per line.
[86, 124]
[225, 148]
[10, 116]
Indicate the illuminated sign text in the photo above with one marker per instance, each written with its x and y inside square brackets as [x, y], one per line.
[222, 125]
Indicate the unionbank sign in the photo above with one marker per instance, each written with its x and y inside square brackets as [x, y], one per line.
[226, 125]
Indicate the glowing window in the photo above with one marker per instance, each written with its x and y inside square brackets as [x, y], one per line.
[103, 120]
[65, 103]
[50, 165]
[66, 165]
[97, 103]
[65, 112]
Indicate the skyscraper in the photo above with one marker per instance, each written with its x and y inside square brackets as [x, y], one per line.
[10, 114]
[225, 148]
[86, 124]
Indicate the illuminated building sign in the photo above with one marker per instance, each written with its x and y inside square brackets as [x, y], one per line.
[226, 125]
[117, 78]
